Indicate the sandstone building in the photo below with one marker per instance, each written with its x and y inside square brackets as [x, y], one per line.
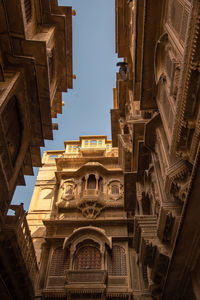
[79, 228]
[35, 68]
[155, 123]
[107, 222]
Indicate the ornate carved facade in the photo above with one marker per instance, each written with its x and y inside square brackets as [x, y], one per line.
[78, 223]
[155, 123]
[119, 222]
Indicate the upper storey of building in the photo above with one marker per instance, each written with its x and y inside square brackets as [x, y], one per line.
[86, 146]
[86, 176]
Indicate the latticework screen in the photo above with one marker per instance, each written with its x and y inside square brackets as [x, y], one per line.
[179, 14]
[28, 10]
[117, 262]
[87, 257]
[59, 262]
[115, 189]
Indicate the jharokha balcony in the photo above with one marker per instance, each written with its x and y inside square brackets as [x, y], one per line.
[18, 265]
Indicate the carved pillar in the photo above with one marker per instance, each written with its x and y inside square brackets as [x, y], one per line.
[97, 181]
[86, 181]
[139, 197]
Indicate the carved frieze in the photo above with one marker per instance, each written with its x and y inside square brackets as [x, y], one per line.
[91, 209]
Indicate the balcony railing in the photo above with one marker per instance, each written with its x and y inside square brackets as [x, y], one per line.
[86, 276]
[92, 193]
[17, 224]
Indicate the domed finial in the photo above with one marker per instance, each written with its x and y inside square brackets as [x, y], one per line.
[73, 12]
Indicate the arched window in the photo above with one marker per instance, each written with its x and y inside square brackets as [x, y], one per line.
[126, 129]
[28, 10]
[92, 182]
[117, 262]
[87, 257]
[59, 262]
[115, 189]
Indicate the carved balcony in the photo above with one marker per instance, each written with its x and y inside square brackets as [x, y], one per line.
[153, 254]
[168, 223]
[18, 252]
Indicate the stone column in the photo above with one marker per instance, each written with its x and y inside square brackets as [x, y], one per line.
[97, 181]
[139, 197]
[86, 181]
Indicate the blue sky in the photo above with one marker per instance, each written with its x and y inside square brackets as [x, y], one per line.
[87, 106]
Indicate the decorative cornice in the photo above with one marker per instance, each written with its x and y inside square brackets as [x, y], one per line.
[187, 68]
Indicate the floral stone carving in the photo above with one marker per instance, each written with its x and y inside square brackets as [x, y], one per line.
[91, 208]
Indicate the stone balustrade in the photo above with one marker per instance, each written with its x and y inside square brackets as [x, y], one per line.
[17, 224]
[86, 276]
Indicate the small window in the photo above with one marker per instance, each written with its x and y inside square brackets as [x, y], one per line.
[115, 189]
[100, 142]
[70, 147]
[54, 156]
[93, 142]
[126, 129]
[74, 147]
[92, 182]
[86, 142]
